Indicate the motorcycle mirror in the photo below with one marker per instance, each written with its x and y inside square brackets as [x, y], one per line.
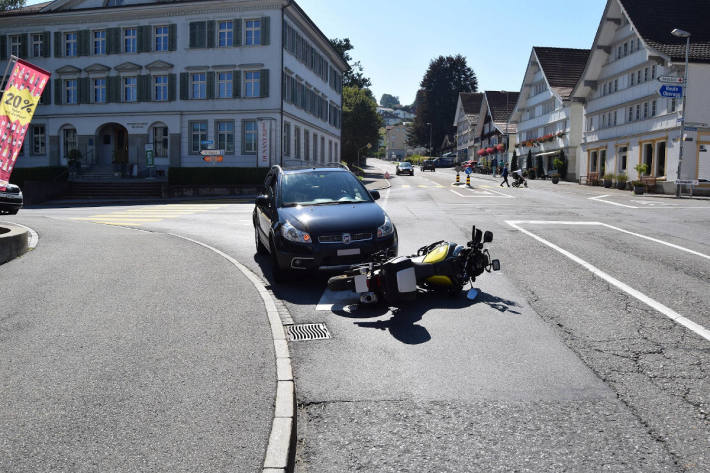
[375, 194]
[478, 237]
[472, 294]
[496, 265]
[473, 233]
[488, 237]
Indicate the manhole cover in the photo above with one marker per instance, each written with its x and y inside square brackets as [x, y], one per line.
[303, 332]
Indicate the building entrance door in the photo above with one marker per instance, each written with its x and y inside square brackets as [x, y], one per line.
[112, 140]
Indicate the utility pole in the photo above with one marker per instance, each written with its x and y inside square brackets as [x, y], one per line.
[678, 33]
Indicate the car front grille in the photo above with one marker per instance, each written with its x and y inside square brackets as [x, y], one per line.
[338, 237]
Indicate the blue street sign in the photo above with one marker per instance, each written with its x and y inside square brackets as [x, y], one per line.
[468, 170]
[671, 91]
[206, 142]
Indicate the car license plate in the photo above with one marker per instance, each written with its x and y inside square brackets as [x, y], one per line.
[349, 252]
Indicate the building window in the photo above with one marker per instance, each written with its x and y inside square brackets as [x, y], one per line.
[37, 45]
[626, 49]
[15, 42]
[70, 44]
[306, 145]
[297, 142]
[129, 89]
[199, 85]
[638, 111]
[322, 149]
[160, 88]
[287, 139]
[623, 153]
[69, 141]
[99, 90]
[224, 85]
[161, 38]
[616, 85]
[673, 105]
[661, 158]
[593, 161]
[315, 147]
[225, 34]
[330, 151]
[653, 108]
[70, 91]
[631, 114]
[645, 110]
[638, 76]
[253, 32]
[648, 158]
[130, 44]
[160, 141]
[38, 139]
[225, 136]
[645, 74]
[198, 134]
[252, 81]
[249, 138]
[632, 79]
[653, 71]
[99, 40]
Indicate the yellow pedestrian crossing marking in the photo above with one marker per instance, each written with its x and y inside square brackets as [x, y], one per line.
[135, 217]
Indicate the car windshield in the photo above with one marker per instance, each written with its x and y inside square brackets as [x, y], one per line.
[405, 165]
[321, 188]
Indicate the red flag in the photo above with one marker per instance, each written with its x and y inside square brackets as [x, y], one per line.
[17, 107]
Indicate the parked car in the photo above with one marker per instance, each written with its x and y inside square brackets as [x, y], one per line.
[10, 199]
[427, 165]
[469, 164]
[444, 162]
[315, 218]
[405, 168]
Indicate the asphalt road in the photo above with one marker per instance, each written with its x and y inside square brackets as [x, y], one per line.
[553, 368]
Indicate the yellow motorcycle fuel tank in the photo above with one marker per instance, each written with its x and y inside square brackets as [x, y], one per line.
[438, 255]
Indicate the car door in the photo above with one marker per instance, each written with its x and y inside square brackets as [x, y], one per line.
[268, 214]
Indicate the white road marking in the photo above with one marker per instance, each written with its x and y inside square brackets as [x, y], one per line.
[668, 312]
[687, 250]
[599, 198]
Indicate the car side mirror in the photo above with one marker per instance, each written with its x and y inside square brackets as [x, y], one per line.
[496, 265]
[488, 237]
[375, 194]
[263, 201]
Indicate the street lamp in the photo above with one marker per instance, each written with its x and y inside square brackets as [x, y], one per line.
[678, 33]
[429, 125]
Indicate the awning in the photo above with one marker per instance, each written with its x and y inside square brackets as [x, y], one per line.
[548, 153]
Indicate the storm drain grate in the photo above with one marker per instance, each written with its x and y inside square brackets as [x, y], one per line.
[304, 332]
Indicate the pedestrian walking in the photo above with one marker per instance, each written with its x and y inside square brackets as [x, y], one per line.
[505, 176]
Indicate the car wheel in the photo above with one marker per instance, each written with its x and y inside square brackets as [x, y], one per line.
[12, 212]
[280, 274]
[260, 248]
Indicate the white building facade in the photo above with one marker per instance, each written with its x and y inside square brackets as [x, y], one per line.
[245, 76]
[549, 123]
[468, 110]
[627, 122]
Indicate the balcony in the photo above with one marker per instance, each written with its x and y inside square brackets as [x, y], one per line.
[539, 98]
[543, 120]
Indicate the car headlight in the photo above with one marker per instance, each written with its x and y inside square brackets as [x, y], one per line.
[386, 228]
[292, 233]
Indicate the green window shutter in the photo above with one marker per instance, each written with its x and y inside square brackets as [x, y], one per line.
[83, 39]
[142, 90]
[24, 41]
[210, 84]
[198, 34]
[236, 84]
[264, 85]
[84, 90]
[193, 34]
[210, 34]
[144, 39]
[266, 30]
[113, 41]
[113, 89]
[237, 35]
[184, 86]
[244, 134]
[46, 38]
[57, 91]
[46, 97]
[172, 37]
[3, 47]
[172, 89]
[57, 44]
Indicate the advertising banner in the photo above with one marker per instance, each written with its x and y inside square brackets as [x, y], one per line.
[264, 145]
[17, 106]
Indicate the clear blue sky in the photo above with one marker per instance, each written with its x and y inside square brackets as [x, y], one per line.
[395, 39]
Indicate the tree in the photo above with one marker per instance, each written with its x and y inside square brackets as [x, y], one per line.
[389, 101]
[437, 98]
[11, 4]
[361, 123]
[354, 76]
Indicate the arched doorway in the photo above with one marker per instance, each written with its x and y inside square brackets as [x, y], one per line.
[112, 144]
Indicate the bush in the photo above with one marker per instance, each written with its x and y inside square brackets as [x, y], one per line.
[608, 177]
[42, 174]
[226, 176]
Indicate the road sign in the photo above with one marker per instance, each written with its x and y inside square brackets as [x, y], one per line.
[212, 152]
[671, 91]
[670, 80]
[206, 142]
[690, 128]
[695, 125]
[468, 170]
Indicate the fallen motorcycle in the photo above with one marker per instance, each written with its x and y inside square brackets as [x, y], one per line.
[440, 266]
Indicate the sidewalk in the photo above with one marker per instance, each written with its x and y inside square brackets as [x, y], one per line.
[374, 179]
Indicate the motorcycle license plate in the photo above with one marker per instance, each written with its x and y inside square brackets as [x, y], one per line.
[349, 252]
[361, 283]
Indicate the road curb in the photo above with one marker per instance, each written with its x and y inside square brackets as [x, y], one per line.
[280, 451]
[14, 241]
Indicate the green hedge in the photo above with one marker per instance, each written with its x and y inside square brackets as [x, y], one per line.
[224, 176]
[44, 174]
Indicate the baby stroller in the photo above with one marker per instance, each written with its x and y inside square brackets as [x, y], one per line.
[518, 179]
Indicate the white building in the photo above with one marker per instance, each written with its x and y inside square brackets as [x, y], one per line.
[548, 122]
[468, 110]
[237, 75]
[494, 133]
[396, 142]
[626, 121]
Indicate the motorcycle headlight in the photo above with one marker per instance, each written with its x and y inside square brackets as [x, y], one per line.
[386, 229]
[292, 233]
